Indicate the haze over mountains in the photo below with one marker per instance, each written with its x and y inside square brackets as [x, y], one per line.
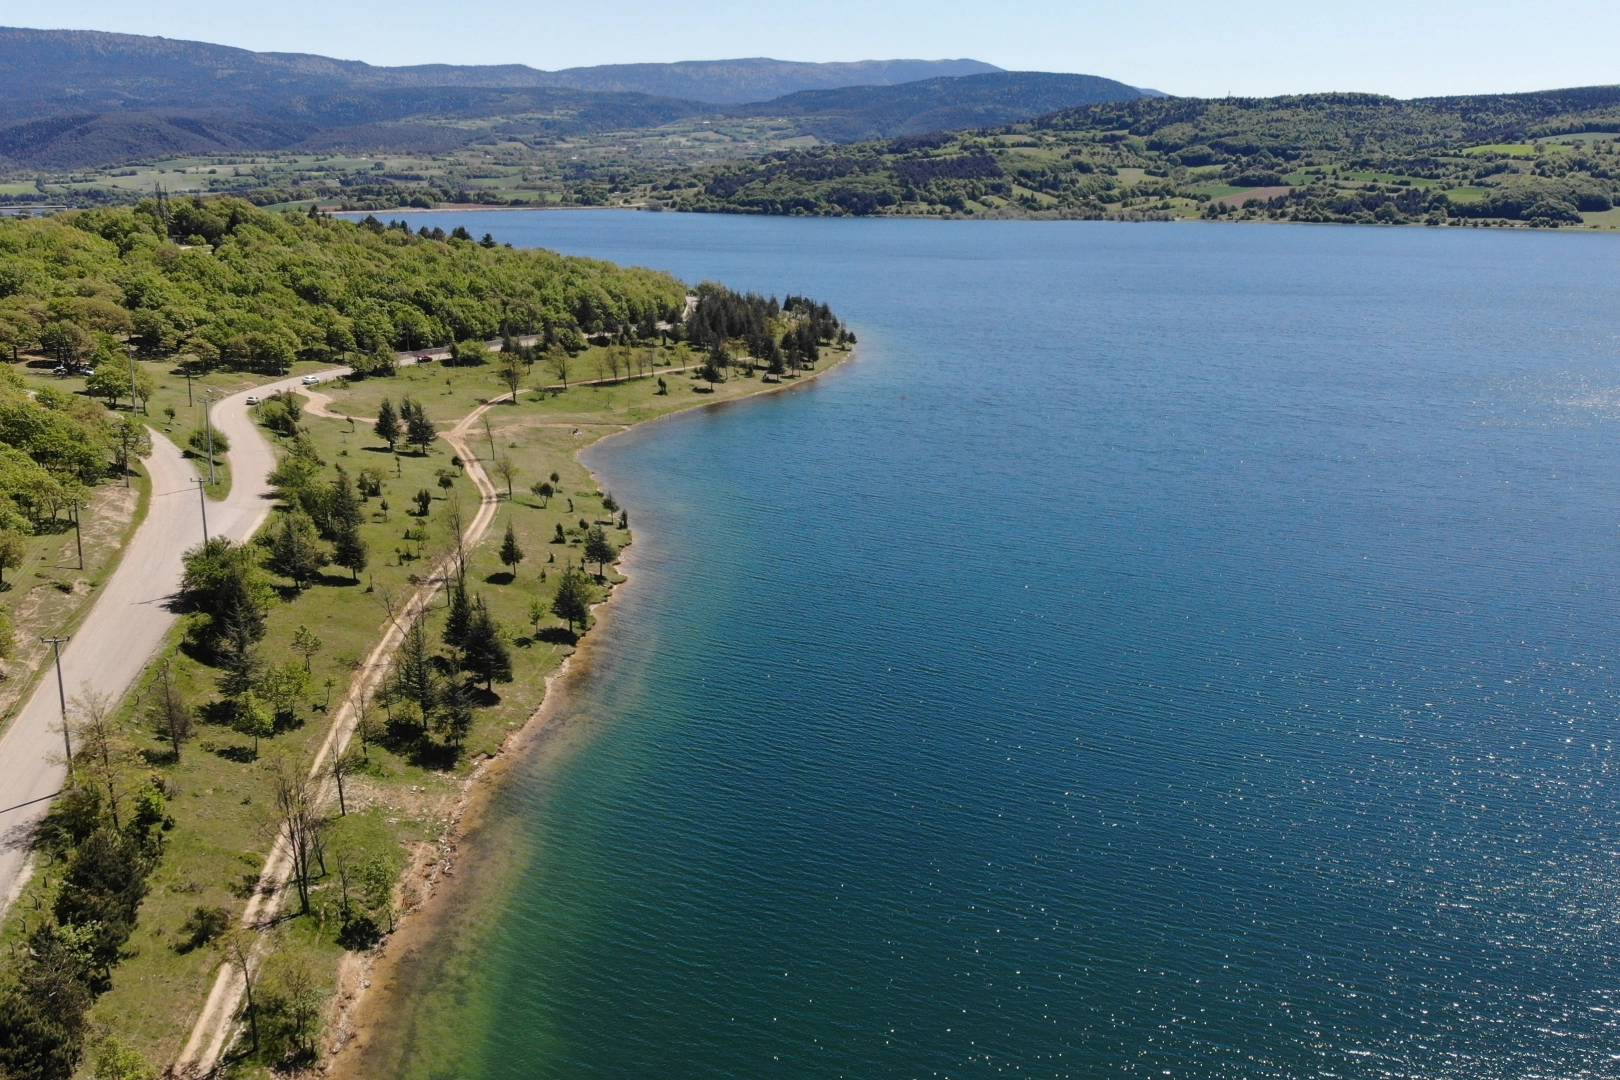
[76, 99]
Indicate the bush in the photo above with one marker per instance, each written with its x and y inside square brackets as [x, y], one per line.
[198, 442]
[202, 926]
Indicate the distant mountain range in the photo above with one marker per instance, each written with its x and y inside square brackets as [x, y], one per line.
[80, 99]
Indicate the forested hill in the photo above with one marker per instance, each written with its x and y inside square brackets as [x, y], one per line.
[44, 72]
[726, 82]
[1542, 158]
[257, 290]
[853, 113]
[74, 100]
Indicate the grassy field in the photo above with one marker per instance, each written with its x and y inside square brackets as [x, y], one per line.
[1510, 149]
[49, 594]
[220, 798]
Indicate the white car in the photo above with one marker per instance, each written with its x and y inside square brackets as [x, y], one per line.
[311, 380]
[252, 399]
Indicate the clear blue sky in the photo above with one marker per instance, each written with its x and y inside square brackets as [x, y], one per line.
[1405, 48]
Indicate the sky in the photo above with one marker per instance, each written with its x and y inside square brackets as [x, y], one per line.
[1403, 48]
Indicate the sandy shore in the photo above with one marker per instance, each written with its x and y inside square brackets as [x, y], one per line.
[373, 986]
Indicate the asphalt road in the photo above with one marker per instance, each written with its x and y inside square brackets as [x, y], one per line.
[129, 619]
[118, 636]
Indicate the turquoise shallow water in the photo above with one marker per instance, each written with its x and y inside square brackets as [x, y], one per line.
[1168, 650]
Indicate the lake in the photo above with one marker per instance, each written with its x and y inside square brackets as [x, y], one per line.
[1165, 650]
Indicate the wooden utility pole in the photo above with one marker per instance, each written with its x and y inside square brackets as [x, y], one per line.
[56, 644]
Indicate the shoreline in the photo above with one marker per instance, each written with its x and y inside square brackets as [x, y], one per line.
[370, 983]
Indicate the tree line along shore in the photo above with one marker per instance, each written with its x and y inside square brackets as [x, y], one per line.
[179, 790]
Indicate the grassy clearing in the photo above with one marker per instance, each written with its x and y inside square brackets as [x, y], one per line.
[1604, 219]
[220, 799]
[1526, 150]
[49, 594]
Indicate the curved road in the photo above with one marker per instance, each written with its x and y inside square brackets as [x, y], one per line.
[128, 621]
[119, 634]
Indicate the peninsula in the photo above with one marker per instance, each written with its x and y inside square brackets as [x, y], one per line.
[407, 552]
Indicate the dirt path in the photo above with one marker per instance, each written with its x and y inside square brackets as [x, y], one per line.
[215, 1028]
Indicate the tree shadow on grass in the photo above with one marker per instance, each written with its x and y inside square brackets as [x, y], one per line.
[428, 754]
[501, 578]
[557, 635]
[239, 754]
[336, 582]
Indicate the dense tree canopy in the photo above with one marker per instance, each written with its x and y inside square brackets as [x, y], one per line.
[230, 284]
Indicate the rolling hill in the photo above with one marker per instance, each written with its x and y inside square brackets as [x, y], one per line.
[74, 100]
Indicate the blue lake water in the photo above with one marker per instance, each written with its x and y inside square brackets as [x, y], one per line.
[1166, 650]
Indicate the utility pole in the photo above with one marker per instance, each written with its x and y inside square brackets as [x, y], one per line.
[186, 367]
[78, 539]
[56, 644]
[208, 425]
[491, 436]
[202, 497]
[133, 405]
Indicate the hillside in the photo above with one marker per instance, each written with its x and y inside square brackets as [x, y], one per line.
[82, 99]
[77, 100]
[850, 114]
[729, 82]
[41, 70]
[1544, 158]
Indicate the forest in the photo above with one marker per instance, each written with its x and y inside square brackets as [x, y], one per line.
[254, 290]
[1543, 159]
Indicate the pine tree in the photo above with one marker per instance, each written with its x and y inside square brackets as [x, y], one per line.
[455, 717]
[458, 618]
[415, 678]
[295, 550]
[511, 554]
[599, 549]
[350, 551]
[343, 505]
[419, 430]
[573, 599]
[486, 655]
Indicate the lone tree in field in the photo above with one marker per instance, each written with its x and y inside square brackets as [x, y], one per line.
[599, 549]
[511, 554]
[305, 643]
[506, 469]
[512, 371]
[558, 360]
[387, 425]
[572, 602]
[419, 430]
[170, 713]
[253, 717]
[542, 491]
[350, 551]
